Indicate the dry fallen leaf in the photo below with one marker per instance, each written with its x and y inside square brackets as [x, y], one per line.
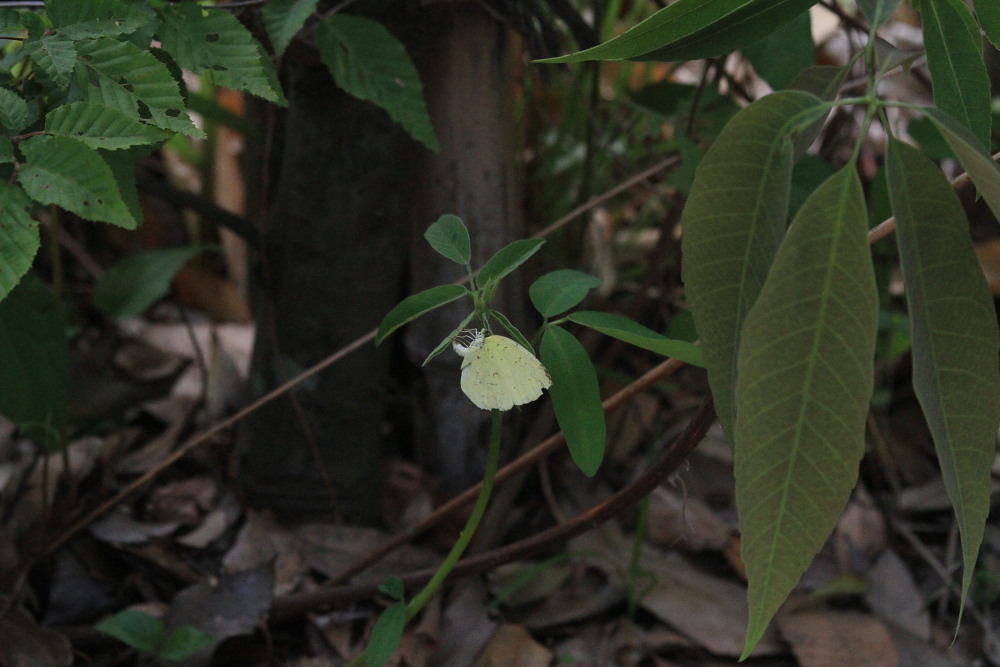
[836, 638]
[24, 643]
[513, 645]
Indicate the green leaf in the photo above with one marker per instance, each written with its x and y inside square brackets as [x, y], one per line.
[122, 164]
[99, 126]
[183, 643]
[982, 170]
[988, 15]
[386, 634]
[954, 336]
[393, 587]
[34, 362]
[877, 11]
[449, 237]
[694, 29]
[507, 259]
[576, 398]
[132, 80]
[804, 383]
[96, 18]
[137, 629]
[370, 64]
[67, 173]
[447, 340]
[514, 332]
[283, 19]
[138, 281]
[558, 291]
[781, 56]
[824, 82]
[55, 55]
[416, 305]
[19, 237]
[955, 60]
[633, 333]
[733, 222]
[14, 112]
[213, 40]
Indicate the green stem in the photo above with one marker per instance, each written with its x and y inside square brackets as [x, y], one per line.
[424, 596]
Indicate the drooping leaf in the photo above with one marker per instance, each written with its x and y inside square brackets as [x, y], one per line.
[877, 11]
[954, 335]
[283, 19]
[804, 383]
[988, 15]
[370, 64]
[509, 327]
[213, 40]
[14, 112]
[733, 222]
[507, 259]
[122, 163]
[67, 173]
[136, 628]
[138, 281]
[133, 81]
[576, 398]
[636, 334]
[386, 634]
[34, 362]
[558, 291]
[19, 237]
[784, 53]
[450, 238]
[416, 305]
[55, 54]
[982, 170]
[955, 60]
[99, 126]
[693, 29]
[447, 340]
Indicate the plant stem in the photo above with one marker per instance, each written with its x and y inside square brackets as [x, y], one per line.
[423, 597]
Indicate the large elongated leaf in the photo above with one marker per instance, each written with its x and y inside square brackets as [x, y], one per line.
[133, 81]
[633, 333]
[34, 362]
[370, 64]
[19, 237]
[955, 59]
[954, 334]
[988, 14]
[878, 11]
[67, 173]
[283, 19]
[733, 222]
[784, 53]
[99, 126]
[576, 398]
[213, 40]
[978, 164]
[805, 380]
[693, 29]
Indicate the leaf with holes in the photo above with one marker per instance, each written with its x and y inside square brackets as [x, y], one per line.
[99, 126]
[67, 173]
[802, 393]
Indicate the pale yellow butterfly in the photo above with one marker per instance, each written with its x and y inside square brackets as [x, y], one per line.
[498, 373]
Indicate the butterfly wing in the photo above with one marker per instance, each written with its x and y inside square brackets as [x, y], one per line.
[500, 374]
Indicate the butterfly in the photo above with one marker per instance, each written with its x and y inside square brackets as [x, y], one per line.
[498, 373]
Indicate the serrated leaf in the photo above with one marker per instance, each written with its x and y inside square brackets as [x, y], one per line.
[19, 237]
[122, 164]
[136, 628]
[34, 362]
[55, 54]
[982, 170]
[67, 173]
[14, 112]
[960, 83]
[96, 18]
[733, 222]
[507, 259]
[132, 80]
[954, 336]
[386, 634]
[213, 40]
[783, 53]
[183, 643]
[558, 291]
[416, 305]
[803, 387]
[370, 64]
[136, 282]
[633, 333]
[877, 11]
[450, 238]
[283, 19]
[694, 29]
[988, 15]
[99, 126]
[576, 398]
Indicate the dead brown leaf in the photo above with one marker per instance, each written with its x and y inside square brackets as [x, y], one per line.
[513, 646]
[836, 638]
[24, 643]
